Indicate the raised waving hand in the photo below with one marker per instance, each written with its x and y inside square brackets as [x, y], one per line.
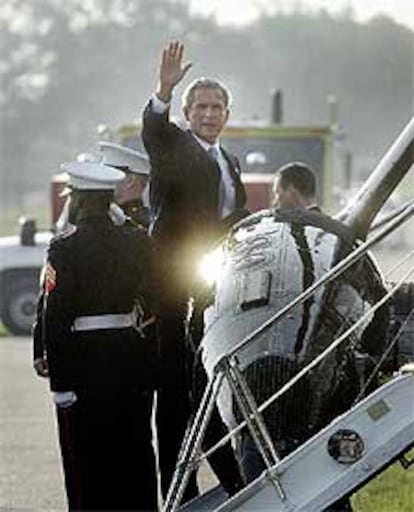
[172, 69]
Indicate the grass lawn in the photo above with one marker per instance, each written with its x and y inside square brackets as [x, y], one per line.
[3, 330]
[392, 491]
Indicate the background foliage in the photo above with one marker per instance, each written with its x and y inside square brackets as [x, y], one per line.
[67, 66]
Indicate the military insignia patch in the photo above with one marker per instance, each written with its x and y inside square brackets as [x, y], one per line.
[50, 278]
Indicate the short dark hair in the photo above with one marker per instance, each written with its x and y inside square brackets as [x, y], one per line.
[205, 83]
[93, 201]
[88, 203]
[300, 175]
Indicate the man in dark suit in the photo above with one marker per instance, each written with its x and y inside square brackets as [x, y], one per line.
[195, 195]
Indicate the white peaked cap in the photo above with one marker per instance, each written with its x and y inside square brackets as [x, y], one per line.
[87, 157]
[123, 156]
[92, 176]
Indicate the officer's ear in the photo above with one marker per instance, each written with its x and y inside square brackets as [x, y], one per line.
[129, 180]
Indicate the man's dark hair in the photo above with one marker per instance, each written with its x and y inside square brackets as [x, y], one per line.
[205, 83]
[300, 175]
[86, 203]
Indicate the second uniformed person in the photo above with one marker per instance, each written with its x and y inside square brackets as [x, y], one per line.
[100, 365]
[130, 194]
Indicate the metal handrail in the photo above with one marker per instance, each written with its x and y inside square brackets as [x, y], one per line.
[193, 443]
[310, 366]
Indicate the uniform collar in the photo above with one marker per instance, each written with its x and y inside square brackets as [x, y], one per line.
[99, 219]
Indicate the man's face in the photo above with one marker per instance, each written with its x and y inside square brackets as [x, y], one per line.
[120, 190]
[132, 187]
[208, 114]
[284, 197]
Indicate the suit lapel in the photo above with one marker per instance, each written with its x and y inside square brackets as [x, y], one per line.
[234, 168]
[233, 163]
[235, 173]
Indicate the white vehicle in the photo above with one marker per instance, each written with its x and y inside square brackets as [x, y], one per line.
[21, 260]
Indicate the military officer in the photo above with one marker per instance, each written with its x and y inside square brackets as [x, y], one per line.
[99, 365]
[131, 194]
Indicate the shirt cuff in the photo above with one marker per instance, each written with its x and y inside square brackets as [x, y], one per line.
[64, 398]
[158, 106]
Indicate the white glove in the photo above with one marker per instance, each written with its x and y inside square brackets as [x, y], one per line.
[64, 398]
[116, 214]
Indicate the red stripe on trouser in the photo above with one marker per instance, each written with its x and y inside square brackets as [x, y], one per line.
[67, 440]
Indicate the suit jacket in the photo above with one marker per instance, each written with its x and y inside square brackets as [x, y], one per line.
[184, 184]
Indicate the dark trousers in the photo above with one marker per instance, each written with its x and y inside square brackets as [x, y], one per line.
[223, 461]
[172, 420]
[182, 377]
[173, 406]
[107, 454]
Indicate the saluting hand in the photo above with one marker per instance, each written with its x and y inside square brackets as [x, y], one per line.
[172, 70]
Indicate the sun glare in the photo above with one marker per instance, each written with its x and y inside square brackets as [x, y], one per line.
[211, 266]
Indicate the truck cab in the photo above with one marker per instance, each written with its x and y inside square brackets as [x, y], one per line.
[262, 148]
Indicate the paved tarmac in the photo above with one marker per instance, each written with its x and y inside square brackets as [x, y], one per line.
[31, 478]
[30, 471]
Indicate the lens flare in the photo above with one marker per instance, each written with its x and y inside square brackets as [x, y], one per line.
[211, 266]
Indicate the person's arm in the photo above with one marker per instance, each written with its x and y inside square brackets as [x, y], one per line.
[172, 70]
[39, 354]
[158, 134]
[58, 310]
[147, 272]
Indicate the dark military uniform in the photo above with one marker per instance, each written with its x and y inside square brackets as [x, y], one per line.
[93, 277]
[39, 349]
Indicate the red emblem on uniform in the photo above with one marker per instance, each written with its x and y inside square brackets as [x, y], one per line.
[50, 278]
